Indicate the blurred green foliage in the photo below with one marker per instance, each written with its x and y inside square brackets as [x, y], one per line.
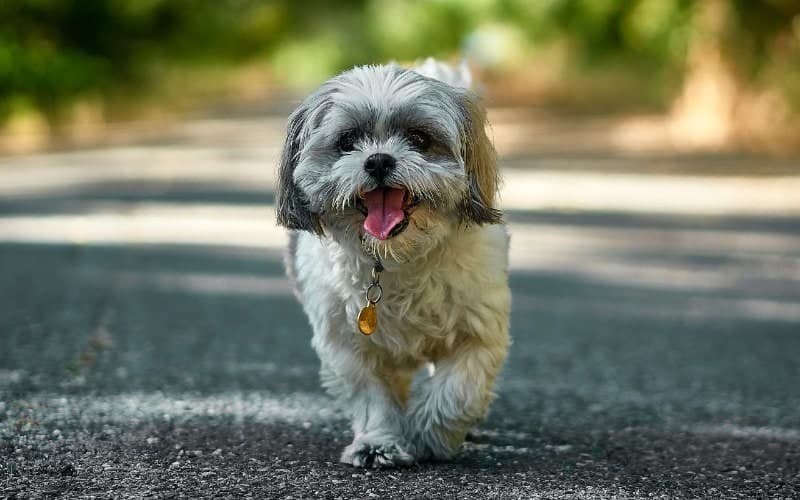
[53, 52]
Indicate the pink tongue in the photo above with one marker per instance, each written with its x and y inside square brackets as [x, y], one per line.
[384, 211]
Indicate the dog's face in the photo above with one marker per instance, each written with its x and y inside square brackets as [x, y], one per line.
[383, 158]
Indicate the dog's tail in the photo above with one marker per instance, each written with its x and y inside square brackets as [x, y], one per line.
[457, 76]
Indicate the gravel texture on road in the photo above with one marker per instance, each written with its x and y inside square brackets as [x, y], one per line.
[150, 346]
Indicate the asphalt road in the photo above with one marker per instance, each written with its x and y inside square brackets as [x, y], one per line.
[150, 347]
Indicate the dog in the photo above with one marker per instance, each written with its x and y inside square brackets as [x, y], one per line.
[399, 255]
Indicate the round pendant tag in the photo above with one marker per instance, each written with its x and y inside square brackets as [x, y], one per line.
[368, 319]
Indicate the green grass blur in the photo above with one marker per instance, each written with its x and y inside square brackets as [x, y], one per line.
[54, 53]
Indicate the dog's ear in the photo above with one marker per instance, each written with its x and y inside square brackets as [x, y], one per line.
[292, 207]
[480, 162]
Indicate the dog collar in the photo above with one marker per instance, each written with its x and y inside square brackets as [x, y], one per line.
[368, 316]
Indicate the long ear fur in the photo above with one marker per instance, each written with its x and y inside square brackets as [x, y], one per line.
[481, 165]
[292, 207]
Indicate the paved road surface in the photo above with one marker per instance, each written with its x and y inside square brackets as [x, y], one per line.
[149, 346]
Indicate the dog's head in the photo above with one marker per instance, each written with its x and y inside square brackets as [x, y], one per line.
[384, 158]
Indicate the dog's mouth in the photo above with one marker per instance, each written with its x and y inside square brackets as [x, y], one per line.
[386, 211]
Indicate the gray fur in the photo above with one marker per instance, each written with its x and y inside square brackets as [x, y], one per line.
[317, 182]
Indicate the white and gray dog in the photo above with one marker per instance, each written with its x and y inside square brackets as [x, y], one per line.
[389, 179]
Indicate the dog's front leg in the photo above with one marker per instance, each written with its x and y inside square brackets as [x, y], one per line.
[374, 401]
[444, 407]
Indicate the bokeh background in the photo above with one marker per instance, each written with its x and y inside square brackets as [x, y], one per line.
[725, 71]
[150, 344]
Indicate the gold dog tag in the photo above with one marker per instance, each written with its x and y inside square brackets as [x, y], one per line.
[368, 319]
[368, 316]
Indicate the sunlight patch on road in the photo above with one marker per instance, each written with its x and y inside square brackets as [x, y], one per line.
[74, 172]
[151, 224]
[138, 407]
[216, 283]
[685, 308]
[498, 449]
[746, 431]
[677, 259]
[650, 194]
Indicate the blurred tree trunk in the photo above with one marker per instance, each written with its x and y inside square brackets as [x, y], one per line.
[703, 114]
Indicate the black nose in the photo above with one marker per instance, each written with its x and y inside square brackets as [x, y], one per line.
[379, 165]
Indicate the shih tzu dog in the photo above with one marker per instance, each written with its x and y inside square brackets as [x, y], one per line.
[398, 255]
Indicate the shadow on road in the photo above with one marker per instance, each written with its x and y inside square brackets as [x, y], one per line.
[651, 354]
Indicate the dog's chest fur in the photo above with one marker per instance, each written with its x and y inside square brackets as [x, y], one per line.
[457, 289]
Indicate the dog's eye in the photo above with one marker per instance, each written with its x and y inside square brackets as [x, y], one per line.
[347, 141]
[419, 139]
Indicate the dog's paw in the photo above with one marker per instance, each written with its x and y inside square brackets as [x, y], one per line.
[436, 444]
[377, 455]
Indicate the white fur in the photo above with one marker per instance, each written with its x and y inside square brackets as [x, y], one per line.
[446, 299]
[457, 76]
